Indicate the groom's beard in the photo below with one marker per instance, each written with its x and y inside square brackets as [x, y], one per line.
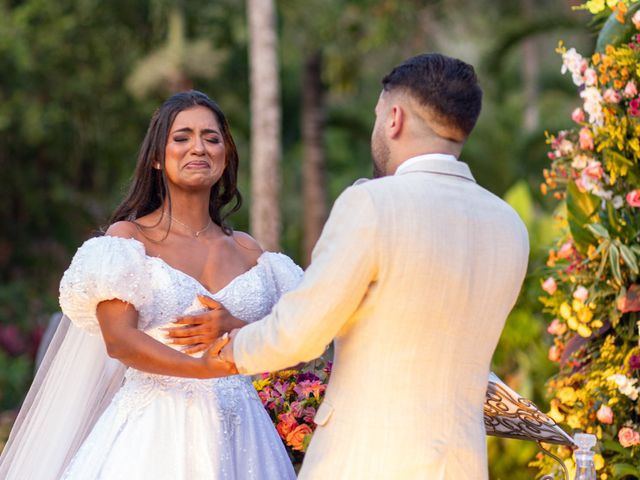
[380, 154]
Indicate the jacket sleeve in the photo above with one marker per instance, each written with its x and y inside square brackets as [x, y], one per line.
[305, 320]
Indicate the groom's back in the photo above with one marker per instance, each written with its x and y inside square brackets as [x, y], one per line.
[415, 357]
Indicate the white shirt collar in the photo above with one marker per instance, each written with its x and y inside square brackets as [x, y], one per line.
[427, 156]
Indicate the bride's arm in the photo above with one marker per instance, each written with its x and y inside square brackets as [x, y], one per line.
[118, 323]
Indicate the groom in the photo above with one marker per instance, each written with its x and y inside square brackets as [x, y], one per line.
[413, 276]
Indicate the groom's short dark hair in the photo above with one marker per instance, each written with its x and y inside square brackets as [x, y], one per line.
[446, 85]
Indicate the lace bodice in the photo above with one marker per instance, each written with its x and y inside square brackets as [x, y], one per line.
[106, 268]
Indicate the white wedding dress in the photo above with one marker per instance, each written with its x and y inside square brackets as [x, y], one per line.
[161, 427]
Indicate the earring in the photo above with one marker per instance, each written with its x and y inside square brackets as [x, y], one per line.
[156, 165]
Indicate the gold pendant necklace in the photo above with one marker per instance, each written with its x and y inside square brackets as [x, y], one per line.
[196, 233]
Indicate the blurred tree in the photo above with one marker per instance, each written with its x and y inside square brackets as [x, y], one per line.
[314, 189]
[265, 123]
[172, 67]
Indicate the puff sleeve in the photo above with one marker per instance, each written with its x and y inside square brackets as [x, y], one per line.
[103, 268]
[284, 273]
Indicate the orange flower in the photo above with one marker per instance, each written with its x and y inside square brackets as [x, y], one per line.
[296, 437]
[543, 188]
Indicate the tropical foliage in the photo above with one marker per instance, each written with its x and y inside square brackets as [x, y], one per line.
[592, 281]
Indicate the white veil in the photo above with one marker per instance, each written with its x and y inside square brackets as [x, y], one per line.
[74, 384]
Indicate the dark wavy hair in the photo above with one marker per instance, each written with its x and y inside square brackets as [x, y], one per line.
[148, 187]
[447, 85]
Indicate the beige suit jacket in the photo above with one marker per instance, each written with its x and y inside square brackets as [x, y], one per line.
[413, 276]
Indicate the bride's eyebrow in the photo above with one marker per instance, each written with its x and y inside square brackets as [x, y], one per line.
[190, 130]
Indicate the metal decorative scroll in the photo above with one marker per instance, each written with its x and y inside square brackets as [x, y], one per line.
[507, 414]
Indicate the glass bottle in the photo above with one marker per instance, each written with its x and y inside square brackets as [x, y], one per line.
[585, 468]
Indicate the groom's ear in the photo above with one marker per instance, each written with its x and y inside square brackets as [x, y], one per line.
[396, 121]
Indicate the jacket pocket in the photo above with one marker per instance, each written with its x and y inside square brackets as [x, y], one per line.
[325, 410]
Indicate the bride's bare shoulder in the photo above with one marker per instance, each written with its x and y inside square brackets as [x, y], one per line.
[123, 229]
[248, 246]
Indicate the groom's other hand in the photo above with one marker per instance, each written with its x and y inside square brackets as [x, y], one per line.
[199, 331]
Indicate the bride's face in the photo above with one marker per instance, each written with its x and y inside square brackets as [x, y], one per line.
[195, 152]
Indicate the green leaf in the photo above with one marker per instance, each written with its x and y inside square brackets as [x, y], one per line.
[613, 446]
[615, 33]
[603, 262]
[582, 209]
[614, 261]
[629, 258]
[621, 470]
[598, 230]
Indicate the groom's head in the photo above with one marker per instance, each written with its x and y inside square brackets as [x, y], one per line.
[428, 104]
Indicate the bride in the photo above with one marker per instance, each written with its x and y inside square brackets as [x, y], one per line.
[115, 398]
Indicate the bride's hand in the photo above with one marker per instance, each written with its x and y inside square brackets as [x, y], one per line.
[197, 332]
[212, 361]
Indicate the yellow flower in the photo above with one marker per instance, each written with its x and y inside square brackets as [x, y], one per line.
[573, 323]
[598, 461]
[574, 421]
[260, 384]
[556, 414]
[585, 315]
[567, 395]
[584, 331]
[594, 6]
[565, 310]
[596, 324]
[577, 305]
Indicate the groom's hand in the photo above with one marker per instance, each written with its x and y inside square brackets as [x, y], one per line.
[198, 332]
[214, 364]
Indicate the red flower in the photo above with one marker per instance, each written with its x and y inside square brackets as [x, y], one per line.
[631, 301]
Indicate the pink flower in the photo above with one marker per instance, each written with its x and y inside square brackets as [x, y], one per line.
[634, 107]
[628, 437]
[633, 198]
[605, 415]
[630, 90]
[309, 414]
[586, 139]
[550, 286]
[306, 388]
[555, 354]
[580, 161]
[577, 115]
[590, 77]
[296, 437]
[594, 170]
[611, 96]
[581, 293]
[551, 155]
[556, 327]
[296, 408]
[636, 19]
[565, 250]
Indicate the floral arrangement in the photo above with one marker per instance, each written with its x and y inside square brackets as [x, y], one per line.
[292, 397]
[592, 283]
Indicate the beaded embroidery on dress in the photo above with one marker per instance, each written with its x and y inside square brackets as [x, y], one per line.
[174, 428]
